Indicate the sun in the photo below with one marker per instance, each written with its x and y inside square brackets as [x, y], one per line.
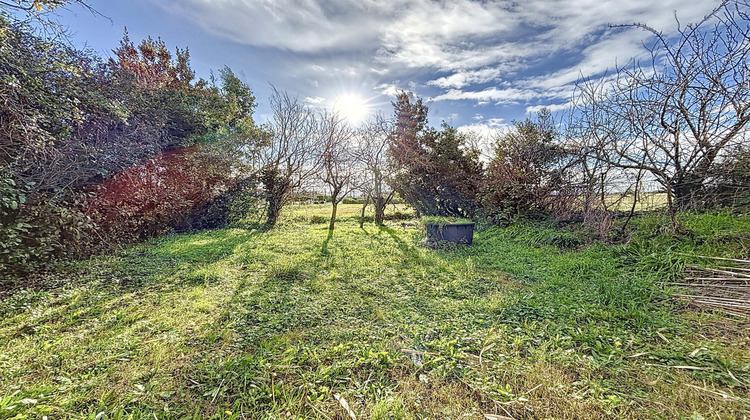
[353, 107]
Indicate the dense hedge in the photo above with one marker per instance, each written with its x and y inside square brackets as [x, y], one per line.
[95, 153]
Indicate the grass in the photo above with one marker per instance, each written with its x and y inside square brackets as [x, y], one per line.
[528, 323]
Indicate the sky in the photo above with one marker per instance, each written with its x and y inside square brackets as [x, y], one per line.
[478, 64]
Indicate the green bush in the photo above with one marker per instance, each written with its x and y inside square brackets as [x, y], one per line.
[527, 173]
[14, 227]
[351, 200]
[33, 236]
[75, 126]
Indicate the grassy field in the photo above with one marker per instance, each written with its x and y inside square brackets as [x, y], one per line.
[527, 323]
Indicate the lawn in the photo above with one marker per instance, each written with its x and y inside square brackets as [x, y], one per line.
[295, 323]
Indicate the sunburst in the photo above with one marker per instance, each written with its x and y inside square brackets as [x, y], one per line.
[353, 107]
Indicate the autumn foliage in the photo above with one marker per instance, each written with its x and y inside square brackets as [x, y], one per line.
[150, 198]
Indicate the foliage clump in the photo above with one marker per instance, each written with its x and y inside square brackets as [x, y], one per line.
[436, 171]
[527, 173]
[97, 153]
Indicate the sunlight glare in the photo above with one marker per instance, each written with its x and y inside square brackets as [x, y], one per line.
[352, 107]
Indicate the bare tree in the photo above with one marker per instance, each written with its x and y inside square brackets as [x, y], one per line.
[674, 117]
[595, 177]
[337, 159]
[292, 155]
[36, 5]
[377, 174]
[39, 9]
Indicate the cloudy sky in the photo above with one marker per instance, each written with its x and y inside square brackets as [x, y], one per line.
[477, 63]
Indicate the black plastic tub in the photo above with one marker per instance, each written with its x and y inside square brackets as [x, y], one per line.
[460, 233]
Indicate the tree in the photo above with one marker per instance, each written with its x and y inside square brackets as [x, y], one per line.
[152, 66]
[676, 116]
[600, 184]
[291, 156]
[39, 9]
[435, 170]
[336, 160]
[165, 95]
[230, 105]
[527, 172]
[37, 5]
[377, 173]
[227, 112]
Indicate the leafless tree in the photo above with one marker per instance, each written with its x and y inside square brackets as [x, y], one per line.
[372, 157]
[40, 9]
[337, 158]
[35, 5]
[674, 117]
[291, 157]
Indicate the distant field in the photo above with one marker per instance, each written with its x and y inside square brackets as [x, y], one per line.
[296, 211]
[646, 202]
[528, 323]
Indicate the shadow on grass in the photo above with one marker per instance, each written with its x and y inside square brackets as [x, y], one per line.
[166, 264]
[408, 250]
[324, 249]
[202, 247]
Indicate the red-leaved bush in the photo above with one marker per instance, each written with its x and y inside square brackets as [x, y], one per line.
[149, 199]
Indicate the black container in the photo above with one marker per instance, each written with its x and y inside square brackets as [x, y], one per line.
[460, 233]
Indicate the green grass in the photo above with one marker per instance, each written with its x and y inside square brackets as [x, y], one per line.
[528, 322]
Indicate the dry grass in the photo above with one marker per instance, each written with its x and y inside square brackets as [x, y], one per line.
[644, 202]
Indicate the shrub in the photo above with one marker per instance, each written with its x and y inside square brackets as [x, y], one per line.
[351, 200]
[33, 236]
[527, 173]
[82, 139]
[730, 182]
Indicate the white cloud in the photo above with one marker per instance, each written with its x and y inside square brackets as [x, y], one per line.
[296, 25]
[464, 34]
[315, 100]
[497, 123]
[493, 94]
[483, 135]
[539, 48]
[551, 107]
[387, 89]
[464, 78]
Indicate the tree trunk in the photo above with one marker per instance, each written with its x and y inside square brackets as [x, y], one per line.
[334, 206]
[362, 216]
[636, 191]
[672, 213]
[379, 203]
[274, 208]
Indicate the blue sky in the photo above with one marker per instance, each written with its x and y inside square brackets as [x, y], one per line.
[478, 64]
